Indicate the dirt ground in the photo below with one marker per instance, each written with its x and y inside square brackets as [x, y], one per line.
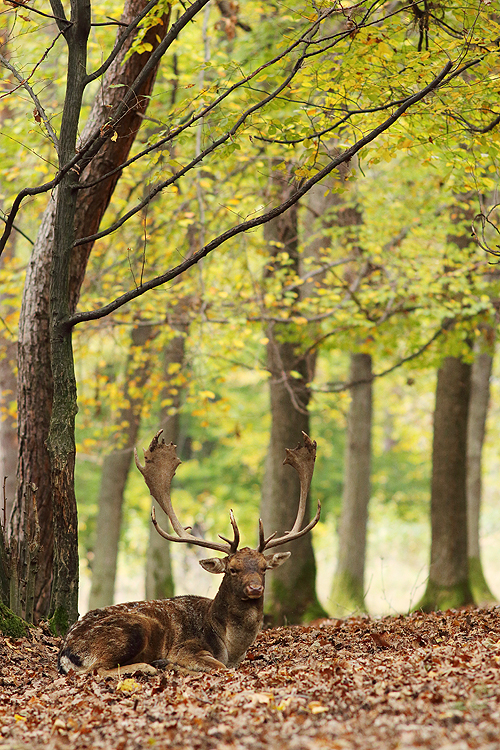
[417, 681]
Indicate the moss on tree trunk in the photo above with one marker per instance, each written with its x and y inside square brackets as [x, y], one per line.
[11, 625]
[480, 590]
[347, 595]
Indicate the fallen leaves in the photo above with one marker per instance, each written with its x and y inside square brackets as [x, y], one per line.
[426, 681]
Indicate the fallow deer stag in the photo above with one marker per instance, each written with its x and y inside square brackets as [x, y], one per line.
[192, 632]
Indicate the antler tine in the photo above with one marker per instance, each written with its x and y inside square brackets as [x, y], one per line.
[160, 464]
[263, 542]
[233, 544]
[302, 459]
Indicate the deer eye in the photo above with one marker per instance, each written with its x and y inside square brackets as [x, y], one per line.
[233, 571]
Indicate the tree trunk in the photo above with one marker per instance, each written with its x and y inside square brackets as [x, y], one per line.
[330, 209]
[476, 428]
[348, 584]
[8, 343]
[291, 590]
[159, 574]
[35, 385]
[448, 583]
[115, 469]
[8, 432]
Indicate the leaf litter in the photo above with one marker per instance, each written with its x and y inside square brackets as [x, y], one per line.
[415, 681]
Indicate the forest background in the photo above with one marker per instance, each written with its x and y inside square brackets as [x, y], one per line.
[384, 264]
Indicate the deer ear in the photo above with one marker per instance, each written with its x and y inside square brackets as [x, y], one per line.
[274, 561]
[214, 564]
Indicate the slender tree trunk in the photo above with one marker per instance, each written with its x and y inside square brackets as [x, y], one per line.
[448, 583]
[159, 574]
[8, 343]
[8, 432]
[291, 590]
[476, 429]
[115, 470]
[330, 210]
[35, 376]
[61, 438]
[348, 584]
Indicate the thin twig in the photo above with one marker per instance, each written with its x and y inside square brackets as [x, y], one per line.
[24, 83]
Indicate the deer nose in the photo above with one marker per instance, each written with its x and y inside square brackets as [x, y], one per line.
[254, 590]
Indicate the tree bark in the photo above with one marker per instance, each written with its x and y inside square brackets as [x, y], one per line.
[348, 584]
[448, 583]
[115, 469]
[476, 430]
[35, 384]
[291, 590]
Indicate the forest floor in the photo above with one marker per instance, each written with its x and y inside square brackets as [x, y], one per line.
[417, 681]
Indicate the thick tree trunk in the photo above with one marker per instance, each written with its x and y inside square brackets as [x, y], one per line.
[115, 469]
[291, 590]
[476, 429]
[34, 407]
[348, 584]
[448, 583]
[35, 385]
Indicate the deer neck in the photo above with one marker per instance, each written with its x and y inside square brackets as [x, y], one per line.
[229, 607]
[237, 621]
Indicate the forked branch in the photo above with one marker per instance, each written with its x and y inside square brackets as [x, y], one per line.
[160, 464]
[302, 459]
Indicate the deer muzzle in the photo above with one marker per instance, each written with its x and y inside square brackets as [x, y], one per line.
[253, 590]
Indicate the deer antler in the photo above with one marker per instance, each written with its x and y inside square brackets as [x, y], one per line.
[302, 459]
[160, 464]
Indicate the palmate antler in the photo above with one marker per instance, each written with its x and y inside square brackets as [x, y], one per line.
[160, 464]
[302, 459]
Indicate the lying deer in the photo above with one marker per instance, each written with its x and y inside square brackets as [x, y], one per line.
[192, 632]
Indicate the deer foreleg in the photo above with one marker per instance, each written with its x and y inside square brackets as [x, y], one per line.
[193, 657]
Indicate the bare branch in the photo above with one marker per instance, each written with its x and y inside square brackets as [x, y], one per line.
[60, 19]
[60, 16]
[18, 230]
[486, 223]
[475, 128]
